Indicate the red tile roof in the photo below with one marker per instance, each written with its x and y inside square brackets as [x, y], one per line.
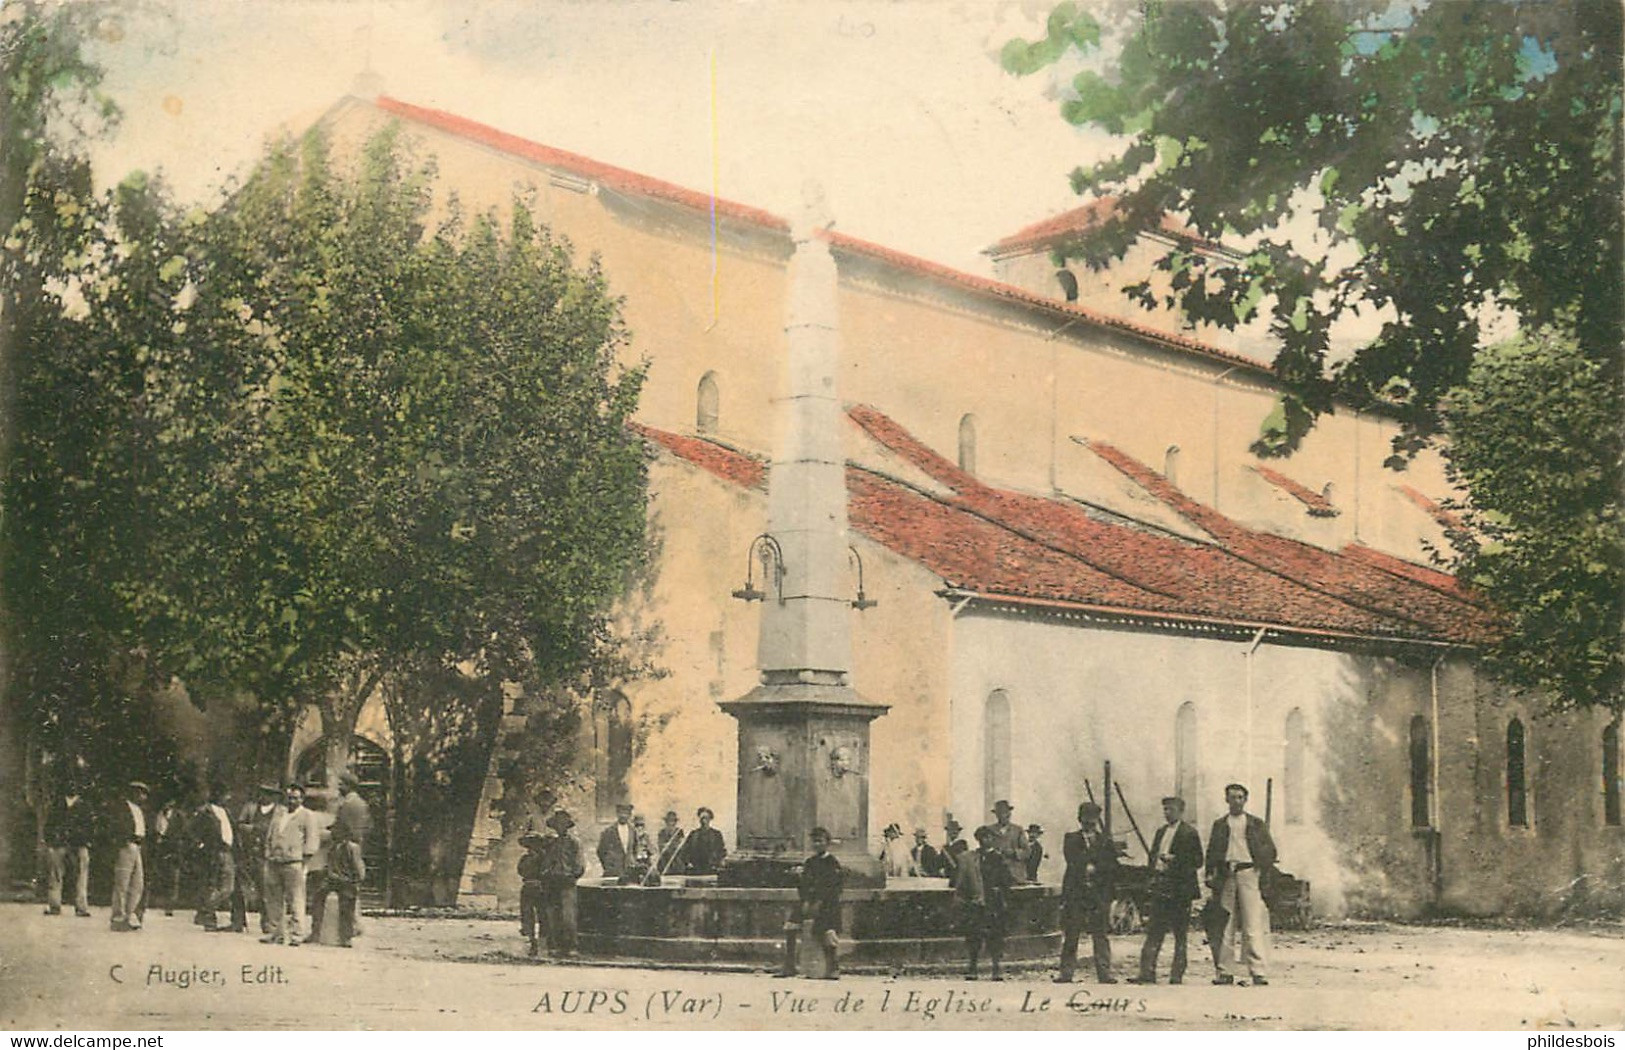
[1068, 224]
[608, 174]
[1318, 505]
[843, 242]
[726, 463]
[1027, 549]
[1356, 581]
[633, 183]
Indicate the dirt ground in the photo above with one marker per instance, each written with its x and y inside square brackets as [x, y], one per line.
[70, 973]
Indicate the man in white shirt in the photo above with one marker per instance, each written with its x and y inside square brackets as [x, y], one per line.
[129, 872]
[219, 863]
[1240, 855]
[291, 840]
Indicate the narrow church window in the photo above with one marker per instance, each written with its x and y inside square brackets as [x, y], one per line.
[1185, 776]
[1517, 786]
[707, 404]
[1292, 803]
[612, 746]
[967, 443]
[996, 748]
[1421, 774]
[1610, 774]
[1170, 464]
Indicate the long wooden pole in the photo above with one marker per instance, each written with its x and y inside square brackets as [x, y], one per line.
[1108, 791]
[1129, 813]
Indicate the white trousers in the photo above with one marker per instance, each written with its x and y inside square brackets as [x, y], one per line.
[1247, 935]
[129, 883]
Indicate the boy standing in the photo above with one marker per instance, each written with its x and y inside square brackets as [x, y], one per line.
[530, 890]
[345, 872]
[820, 892]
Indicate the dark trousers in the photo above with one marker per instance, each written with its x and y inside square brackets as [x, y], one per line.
[316, 890]
[530, 908]
[1167, 916]
[347, 908]
[1074, 920]
[559, 917]
[218, 878]
[984, 928]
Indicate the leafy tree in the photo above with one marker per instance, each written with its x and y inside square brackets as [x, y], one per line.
[1534, 431]
[1434, 163]
[419, 458]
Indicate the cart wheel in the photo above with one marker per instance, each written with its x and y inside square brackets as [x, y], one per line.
[1125, 916]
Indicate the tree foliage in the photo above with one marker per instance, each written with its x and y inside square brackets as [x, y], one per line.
[1535, 435]
[333, 437]
[1434, 164]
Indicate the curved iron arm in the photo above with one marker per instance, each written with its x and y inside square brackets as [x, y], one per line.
[862, 602]
[764, 542]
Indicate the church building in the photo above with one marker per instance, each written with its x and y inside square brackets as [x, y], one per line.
[1063, 555]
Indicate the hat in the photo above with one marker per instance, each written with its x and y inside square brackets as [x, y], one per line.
[139, 785]
[705, 811]
[1173, 800]
[1035, 829]
[560, 820]
[268, 788]
[893, 829]
[532, 838]
[1002, 804]
[985, 834]
[919, 832]
[1089, 807]
[671, 814]
[953, 825]
[620, 806]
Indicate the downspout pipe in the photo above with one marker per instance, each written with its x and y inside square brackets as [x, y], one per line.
[1436, 809]
[1247, 740]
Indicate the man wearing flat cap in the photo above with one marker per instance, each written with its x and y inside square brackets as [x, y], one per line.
[618, 844]
[129, 823]
[253, 822]
[1176, 857]
[1009, 841]
[1086, 894]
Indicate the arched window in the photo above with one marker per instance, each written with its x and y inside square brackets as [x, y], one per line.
[1517, 785]
[612, 751]
[967, 443]
[1292, 803]
[1610, 774]
[1170, 465]
[996, 748]
[1186, 784]
[707, 404]
[1421, 774]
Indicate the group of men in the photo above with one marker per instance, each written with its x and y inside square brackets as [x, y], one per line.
[1239, 861]
[275, 854]
[552, 863]
[627, 854]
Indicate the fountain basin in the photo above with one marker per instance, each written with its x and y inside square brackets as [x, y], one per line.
[908, 923]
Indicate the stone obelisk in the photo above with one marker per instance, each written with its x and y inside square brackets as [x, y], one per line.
[804, 731]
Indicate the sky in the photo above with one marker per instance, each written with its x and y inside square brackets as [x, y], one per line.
[899, 108]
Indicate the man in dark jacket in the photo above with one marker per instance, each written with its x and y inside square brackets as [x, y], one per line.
[819, 889]
[1086, 894]
[923, 858]
[618, 844]
[982, 887]
[217, 856]
[704, 850]
[68, 832]
[560, 868]
[1176, 857]
[1240, 862]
